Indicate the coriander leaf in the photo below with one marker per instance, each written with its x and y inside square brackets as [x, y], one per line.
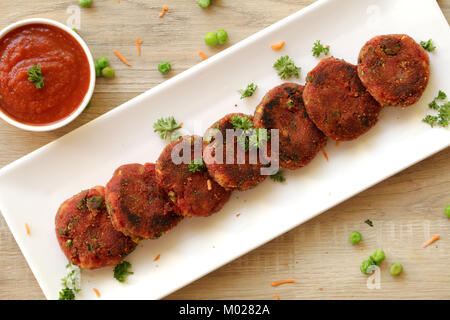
[431, 120]
[370, 223]
[197, 165]
[248, 92]
[35, 76]
[66, 294]
[165, 126]
[73, 278]
[441, 95]
[286, 68]
[278, 176]
[318, 48]
[428, 45]
[242, 123]
[257, 136]
[121, 271]
[442, 119]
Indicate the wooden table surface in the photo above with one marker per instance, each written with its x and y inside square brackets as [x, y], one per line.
[405, 209]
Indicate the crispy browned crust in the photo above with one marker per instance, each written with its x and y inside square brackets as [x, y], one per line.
[195, 193]
[231, 176]
[85, 232]
[137, 205]
[394, 69]
[282, 108]
[337, 102]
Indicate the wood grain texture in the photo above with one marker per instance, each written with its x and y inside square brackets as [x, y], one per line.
[406, 209]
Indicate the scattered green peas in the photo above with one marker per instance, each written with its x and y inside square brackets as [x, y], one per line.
[108, 72]
[396, 268]
[85, 3]
[164, 67]
[102, 62]
[211, 39]
[355, 237]
[204, 3]
[365, 266]
[378, 256]
[222, 36]
[447, 211]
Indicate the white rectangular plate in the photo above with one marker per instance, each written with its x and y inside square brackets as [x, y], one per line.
[32, 188]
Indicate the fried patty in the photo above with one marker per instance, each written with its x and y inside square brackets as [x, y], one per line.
[282, 108]
[394, 69]
[235, 175]
[137, 205]
[337, 102]
[85, 232]
[190, 187]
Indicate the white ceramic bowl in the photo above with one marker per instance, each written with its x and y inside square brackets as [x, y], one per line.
[89, 93]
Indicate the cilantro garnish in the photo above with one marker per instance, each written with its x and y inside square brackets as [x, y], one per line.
[286, 68]
[443, 117]
[278, 176]
[242, 123]
[66, 294]
[250, 137]
[428, 45]
[71, 283]
[121, 271]
[318, 48]
[165, 126]
[197, 165]
[248, 92]
[35, 76]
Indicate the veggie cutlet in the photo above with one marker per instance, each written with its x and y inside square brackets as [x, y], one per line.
[85, 232]
[282, 108]
[137, 205]
[232, 176]
[190, 187]
[337, 102]
[394, 69]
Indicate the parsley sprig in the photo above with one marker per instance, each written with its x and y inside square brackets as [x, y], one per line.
[443, 117]
[71, 283]
[318, 48]
[121, 271]
[35, 76]
[286, 68]
[197, 165]
[250, 137]
[166, 126]
[428, 45]
[278, 176]
[248, 92]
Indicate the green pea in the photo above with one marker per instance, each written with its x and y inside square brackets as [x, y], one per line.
[108, 72]
[102, 62]
[164, 67]
[378, 256]
[396, 268]
[365, 266]
[222, 36]
[69, 243]
[85, 3]
[447, 211]
[204, 3]
[355, 237]
[211, 39]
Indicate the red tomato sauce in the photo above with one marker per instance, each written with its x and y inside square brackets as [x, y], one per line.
[63, 63]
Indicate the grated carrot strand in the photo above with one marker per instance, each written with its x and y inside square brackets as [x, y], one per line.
[157, 257]
[278, 46]
[277, 283]
[121, 57]
[27, 228]
[202, 55]
[434, 238]
[97, 292]
[325, 155]
[138, 45]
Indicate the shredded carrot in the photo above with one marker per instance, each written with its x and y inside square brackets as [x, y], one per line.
[432, 239]
[157, 257]
[203, 55]
[181, 124]
[278, 46]
[277, 297]
[325, 154]
[163, 12]
[27, 228]
[337, 143]
[138, 45]
[238, 215]
[277, 283]
[285, 264]
[121, 57]
[320, 289]
[97, 292]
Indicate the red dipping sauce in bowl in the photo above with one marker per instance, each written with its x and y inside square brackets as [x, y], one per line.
[65, 67]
